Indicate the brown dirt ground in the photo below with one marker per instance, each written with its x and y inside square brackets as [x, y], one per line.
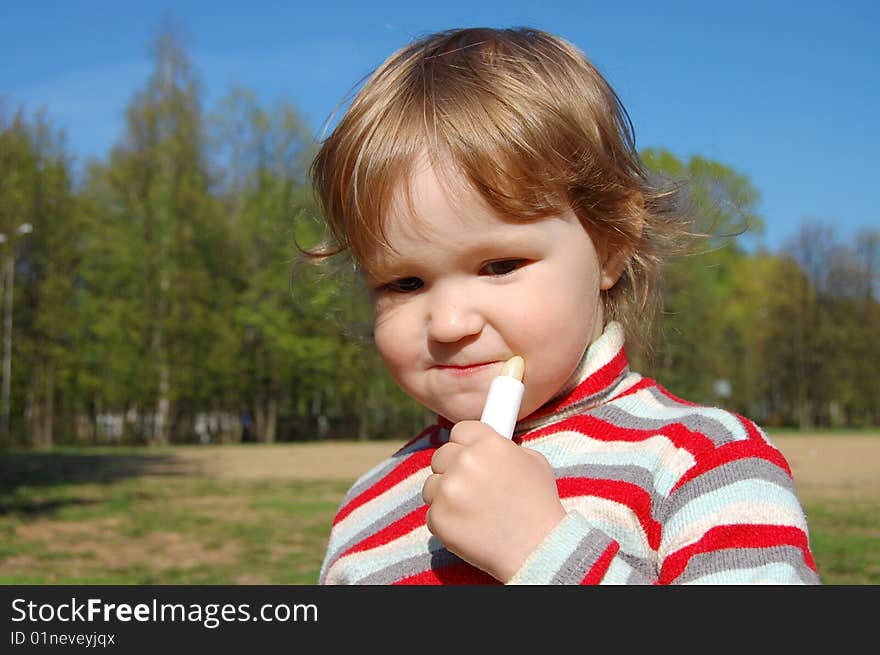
[843, 466]
[836, 465]
[833, 466]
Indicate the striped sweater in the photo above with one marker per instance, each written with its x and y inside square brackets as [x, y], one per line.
[657, 490]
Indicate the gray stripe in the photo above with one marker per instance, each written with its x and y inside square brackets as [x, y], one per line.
[581, 406]
[584, 557]
[390, 464]
[383, 522]
[399, 512]
[712, 429]
[733, 559]
[412, 566]
[751, 468]
[643, 571]
[637, 475]
[665, 400]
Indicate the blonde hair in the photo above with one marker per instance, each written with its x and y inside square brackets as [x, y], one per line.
[524, 118]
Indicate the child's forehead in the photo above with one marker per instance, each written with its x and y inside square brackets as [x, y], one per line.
[433, 173]
[432, 190]
[438, 216]
[431, 201]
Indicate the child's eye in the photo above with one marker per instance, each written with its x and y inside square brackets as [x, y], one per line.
[502, 267]
[405, 285]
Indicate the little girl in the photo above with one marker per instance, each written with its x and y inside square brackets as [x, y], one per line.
[488, 185]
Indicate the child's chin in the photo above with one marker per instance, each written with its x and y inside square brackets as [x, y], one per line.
[456, 416]
[459, 407]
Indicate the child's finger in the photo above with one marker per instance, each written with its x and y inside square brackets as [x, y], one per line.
[429, 489]
[444, 456]
[469, 432]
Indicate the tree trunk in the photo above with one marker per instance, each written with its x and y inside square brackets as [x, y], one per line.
[271, 419]
[161, 418]
[163, 410]
[363, 432]
[265, 418]
[40, 401]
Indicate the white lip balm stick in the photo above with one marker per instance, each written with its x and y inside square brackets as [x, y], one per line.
[504, 397]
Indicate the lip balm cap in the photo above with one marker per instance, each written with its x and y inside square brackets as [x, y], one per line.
[504, 398]
[514, 367]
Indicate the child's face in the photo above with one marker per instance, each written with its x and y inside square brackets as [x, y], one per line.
[465, 290]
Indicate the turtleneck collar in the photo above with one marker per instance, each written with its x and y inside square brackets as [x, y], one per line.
[596, 379]
[602, 367]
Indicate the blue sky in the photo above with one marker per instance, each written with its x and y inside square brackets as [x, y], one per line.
[787, 93]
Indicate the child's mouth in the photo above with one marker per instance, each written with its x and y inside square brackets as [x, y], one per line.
[467, 369]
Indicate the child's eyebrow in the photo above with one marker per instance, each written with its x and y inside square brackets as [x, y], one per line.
[397, 265]
[392, 268]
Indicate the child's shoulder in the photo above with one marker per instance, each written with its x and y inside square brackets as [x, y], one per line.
[649, 407]
[407, 460]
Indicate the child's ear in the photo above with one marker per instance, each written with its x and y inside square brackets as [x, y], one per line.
[617, 257]
[615, 263]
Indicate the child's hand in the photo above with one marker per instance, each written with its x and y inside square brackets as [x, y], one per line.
[491, 501]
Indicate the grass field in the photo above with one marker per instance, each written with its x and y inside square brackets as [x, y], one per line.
[261, 514]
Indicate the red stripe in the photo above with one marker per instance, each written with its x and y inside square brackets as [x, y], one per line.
[644, 383]
[625, 493]
[412, 521]
[597, 381]
[736, 536]
[458, 573]
[594, 383]
[770, 451]
[413, 463]
[596, 428]
[424, 433]
[731, 452]
[598, 570]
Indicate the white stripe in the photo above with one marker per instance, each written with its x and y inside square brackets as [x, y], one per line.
[772, 573]
[391, 463]
[616, 520]
[618, 573]
[604, 349]
[699, 516]
[357, 566]
[644, 405]
[382, 505]
[658, 454]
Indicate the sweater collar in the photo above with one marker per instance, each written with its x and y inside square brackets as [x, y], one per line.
[601, 369]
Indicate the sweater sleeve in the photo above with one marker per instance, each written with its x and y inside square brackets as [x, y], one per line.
[573, 553]
[732, 518]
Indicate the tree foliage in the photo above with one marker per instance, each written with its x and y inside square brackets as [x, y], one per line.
[164, 296]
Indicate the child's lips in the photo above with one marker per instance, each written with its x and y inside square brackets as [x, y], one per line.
[465, 369]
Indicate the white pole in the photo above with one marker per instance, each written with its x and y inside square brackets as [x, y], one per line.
[7, 342]
[25, 228]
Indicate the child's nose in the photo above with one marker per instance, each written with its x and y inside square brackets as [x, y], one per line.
[452, 316]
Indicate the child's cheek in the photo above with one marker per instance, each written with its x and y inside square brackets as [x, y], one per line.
[555, 338]
[392, 339]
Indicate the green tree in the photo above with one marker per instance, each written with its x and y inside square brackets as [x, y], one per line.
[17, 174]
[810, 249]
[36, 190]
[764, 311]
[281, 348]
[696, 345]
[172, 266]
[867, 299]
